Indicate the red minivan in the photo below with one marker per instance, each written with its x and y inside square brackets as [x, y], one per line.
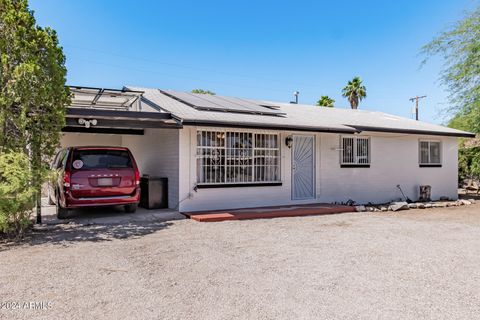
[94, 176]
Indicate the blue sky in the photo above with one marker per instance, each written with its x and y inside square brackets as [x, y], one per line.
[258, 49]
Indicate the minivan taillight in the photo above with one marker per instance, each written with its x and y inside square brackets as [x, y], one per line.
[66, 179]
[137, 177]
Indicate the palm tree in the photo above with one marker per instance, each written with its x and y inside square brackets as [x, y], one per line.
[201, 91]
[325, 101]
[355, 92]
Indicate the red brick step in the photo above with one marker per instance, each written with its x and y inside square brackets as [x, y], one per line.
[268, 212]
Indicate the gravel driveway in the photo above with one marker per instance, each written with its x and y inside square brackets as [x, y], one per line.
[417, 264]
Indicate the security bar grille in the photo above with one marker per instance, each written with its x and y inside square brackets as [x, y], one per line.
[355, 150]
[237, 157]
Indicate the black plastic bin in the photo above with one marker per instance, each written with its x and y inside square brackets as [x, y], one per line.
[154, 192]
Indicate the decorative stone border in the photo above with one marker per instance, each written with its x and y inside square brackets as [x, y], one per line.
[396, 206]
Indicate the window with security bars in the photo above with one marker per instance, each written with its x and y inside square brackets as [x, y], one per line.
[429, 152]
[355, 151]
[237, 157]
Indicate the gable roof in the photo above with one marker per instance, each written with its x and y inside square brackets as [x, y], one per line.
[296, 117]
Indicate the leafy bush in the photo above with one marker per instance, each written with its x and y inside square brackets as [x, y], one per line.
[468, 163]
[16, 193]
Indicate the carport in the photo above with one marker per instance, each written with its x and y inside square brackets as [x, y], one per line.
[122, 117]
[113, 111]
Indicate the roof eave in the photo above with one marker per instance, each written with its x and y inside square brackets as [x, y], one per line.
[117, 114]
[416, 131]
[213, 123]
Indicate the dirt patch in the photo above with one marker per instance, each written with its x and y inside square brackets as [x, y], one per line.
[462, 214]
[405, 265]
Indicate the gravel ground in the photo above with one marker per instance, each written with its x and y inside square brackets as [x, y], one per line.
[417, 264]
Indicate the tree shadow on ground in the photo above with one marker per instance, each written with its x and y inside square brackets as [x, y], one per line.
[66, 234]
[471, 195]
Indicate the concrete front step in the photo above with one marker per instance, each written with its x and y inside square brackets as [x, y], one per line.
[267, 213]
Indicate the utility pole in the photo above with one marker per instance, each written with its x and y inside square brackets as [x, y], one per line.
[416, 98]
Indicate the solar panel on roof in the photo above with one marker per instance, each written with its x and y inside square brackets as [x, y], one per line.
[246, 104]
[190, 99]
[268, 105]
[224, 102]
[216, 103]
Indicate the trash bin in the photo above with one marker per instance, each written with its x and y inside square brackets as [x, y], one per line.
[154, 192]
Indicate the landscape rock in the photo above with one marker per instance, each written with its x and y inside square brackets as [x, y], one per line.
[402, 205]
[360, 208]
[396, 206]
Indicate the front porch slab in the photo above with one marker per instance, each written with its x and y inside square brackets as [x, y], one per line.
[268, 212]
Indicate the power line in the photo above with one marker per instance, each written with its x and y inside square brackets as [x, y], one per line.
[203, 81]
[209, 70]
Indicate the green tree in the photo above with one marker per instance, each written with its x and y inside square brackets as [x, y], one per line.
[33, 95]
[201, 91]
[325, 101]
[355, 92]
[16, 193]
[459, 47]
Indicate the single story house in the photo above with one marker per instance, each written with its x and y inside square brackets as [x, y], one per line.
[223, 153]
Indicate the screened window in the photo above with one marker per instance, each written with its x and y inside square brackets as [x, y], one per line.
[237, 157]
[355, 151]
[430, 153]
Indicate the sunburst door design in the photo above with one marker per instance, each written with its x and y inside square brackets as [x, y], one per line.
[303, 167]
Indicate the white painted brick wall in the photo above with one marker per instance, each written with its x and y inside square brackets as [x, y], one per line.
[71, 139]
[394, 161]
[156, 153]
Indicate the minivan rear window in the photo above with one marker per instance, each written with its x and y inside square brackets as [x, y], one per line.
[101, 159]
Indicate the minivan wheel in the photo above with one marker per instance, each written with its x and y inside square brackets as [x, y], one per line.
[131, 208]
[62, 213]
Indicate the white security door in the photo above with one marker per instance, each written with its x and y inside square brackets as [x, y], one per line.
[303, 167]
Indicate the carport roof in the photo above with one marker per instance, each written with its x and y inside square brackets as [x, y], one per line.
[98, 110]
[296, 117]
[103, 98]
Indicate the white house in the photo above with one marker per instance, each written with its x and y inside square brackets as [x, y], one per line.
[223, 153]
